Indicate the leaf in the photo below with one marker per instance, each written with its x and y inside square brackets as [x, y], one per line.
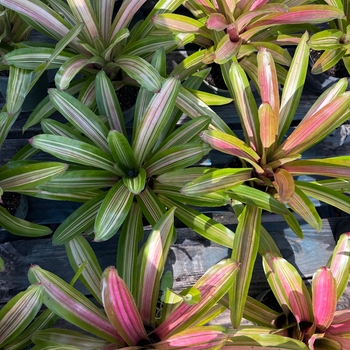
[216, 21]
[79, 252]
[340, 263]
[212, 286]
[21, 227]
[73, 306]
[201, 223]
[140, 70]
[122, 153]
[77, 222]
[284, 185]
[217, 180]
[152, 260]
[177, 157]
[137, 183]
[113, 211]
[324, 298]
[81, 117]
[244, 250]
[155, 118]
[130, 236]
[327, 60]
[226, 49]
[288, 287]
[30, 176]
[107, 102]
[121, 308]
[74, 151]
[18, 313]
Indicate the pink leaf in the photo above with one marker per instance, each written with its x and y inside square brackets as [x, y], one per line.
[120, 308]
[216, 21]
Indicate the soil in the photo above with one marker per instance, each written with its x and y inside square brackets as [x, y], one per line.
[4, 73]
[215, 78]
[270, 301]
[337, 71]
[11, 201]
[127, 96]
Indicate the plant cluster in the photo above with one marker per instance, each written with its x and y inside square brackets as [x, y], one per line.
[152, 171]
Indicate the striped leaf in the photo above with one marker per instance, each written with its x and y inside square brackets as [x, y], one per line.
[231, 145]
[30, 176]
[137, 183]
[152, 257]
[73, 306]
[209, 337]
[244, 250]
[19, 312]
[284, 184]
[293, 87]
[211, 99]
[303, 206]
[74, 151]
[326, 195]
[122, 153]
[80, 180]
[155, 118]
[121, 308]
[252, 196]
[21, 227]
[248, 112]
[77, 222]
[45, 108]
[177, 157]
[340, 263]
[324, 298]
[288, 287]
[118, 37]
[107, 102]
[113, 211]
[327, 60]
[131, 234]
[140, 70]
[185, 133]
[192, 106]
[46, 319]
[65, 337]
[217, 180]
[79, 252]
[213, 285]
[201, 223]
[333, 167]
[81, 117]
[226, 49]
[152, 208]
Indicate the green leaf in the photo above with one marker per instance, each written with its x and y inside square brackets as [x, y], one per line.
[21, 227]
[137, 183]
[130, 236]
[177, 157]
[327, 60]
[122, 153]
[73, 306]
[252, 196]
[80, 117]
[244, 250]
[18, 313]
[226, 49]
[74, 151]
[113, 211]
[155, 118]
[2, 265]
[140, 70]
[79, 252]
[56, 337]
[217, 180]
[191, 296]
[30, 176]
[77, 222]
[107, 102]
[201, 223]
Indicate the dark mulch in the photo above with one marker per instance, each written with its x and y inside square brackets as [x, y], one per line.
[10, 201]
[215, 78]
[127, 96]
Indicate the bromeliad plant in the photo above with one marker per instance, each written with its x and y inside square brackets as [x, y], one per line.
[311, 314]
[230, 29]
[109, 173]
[132, 319]
[334, 42]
